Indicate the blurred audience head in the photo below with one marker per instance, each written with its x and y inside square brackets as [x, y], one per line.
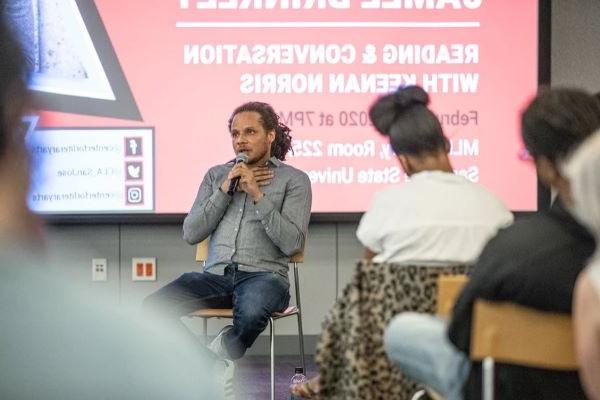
[552, 125]
[16, 221]
[414, 131]
[13, 85]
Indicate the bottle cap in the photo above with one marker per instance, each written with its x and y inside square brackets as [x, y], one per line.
[299, 370]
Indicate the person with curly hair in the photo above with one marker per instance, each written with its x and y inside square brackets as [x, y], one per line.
[254, 229]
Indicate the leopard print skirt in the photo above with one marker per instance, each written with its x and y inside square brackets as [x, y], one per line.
[350, 354]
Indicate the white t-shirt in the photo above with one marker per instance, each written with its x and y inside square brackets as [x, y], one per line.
[437, 218]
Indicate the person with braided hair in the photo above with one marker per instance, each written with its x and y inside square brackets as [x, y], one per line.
[254, 230]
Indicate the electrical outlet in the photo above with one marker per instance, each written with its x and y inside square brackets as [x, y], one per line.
[99, 269]
[143, 269]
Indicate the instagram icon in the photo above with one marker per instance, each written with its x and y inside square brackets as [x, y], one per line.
[134, 195]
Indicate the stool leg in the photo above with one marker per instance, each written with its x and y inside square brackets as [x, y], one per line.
[272, 343]
[488, 379]
[205, 329]
[299, 315]
[301, 342]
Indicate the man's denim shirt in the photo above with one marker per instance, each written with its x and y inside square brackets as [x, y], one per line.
[258, 237]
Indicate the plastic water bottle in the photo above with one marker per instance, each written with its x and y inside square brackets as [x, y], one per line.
[298, 378]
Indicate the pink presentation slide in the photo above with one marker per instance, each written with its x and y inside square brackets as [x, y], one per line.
[158, 80]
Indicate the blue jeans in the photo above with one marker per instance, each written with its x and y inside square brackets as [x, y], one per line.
[254, 296]
[418, 344]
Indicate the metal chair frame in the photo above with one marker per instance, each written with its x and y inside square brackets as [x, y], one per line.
[207, 313]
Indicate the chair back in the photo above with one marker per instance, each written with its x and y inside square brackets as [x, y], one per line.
[298, 257]
[449, 287]
[295, 260]
[202, 251]
[519, 335]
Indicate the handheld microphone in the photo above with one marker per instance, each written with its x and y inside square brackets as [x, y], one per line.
[233, 184]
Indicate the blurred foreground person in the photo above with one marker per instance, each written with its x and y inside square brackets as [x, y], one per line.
[56, 341]
[583, 170]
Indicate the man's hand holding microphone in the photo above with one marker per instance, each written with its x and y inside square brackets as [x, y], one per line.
[247, 179]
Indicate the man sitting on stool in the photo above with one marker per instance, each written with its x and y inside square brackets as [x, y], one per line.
[254, 229]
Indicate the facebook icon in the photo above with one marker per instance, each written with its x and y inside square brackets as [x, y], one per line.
[133, 146]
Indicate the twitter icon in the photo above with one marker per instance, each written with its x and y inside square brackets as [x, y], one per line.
[134, 170]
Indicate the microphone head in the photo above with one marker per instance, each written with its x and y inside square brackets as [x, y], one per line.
[241, 158]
